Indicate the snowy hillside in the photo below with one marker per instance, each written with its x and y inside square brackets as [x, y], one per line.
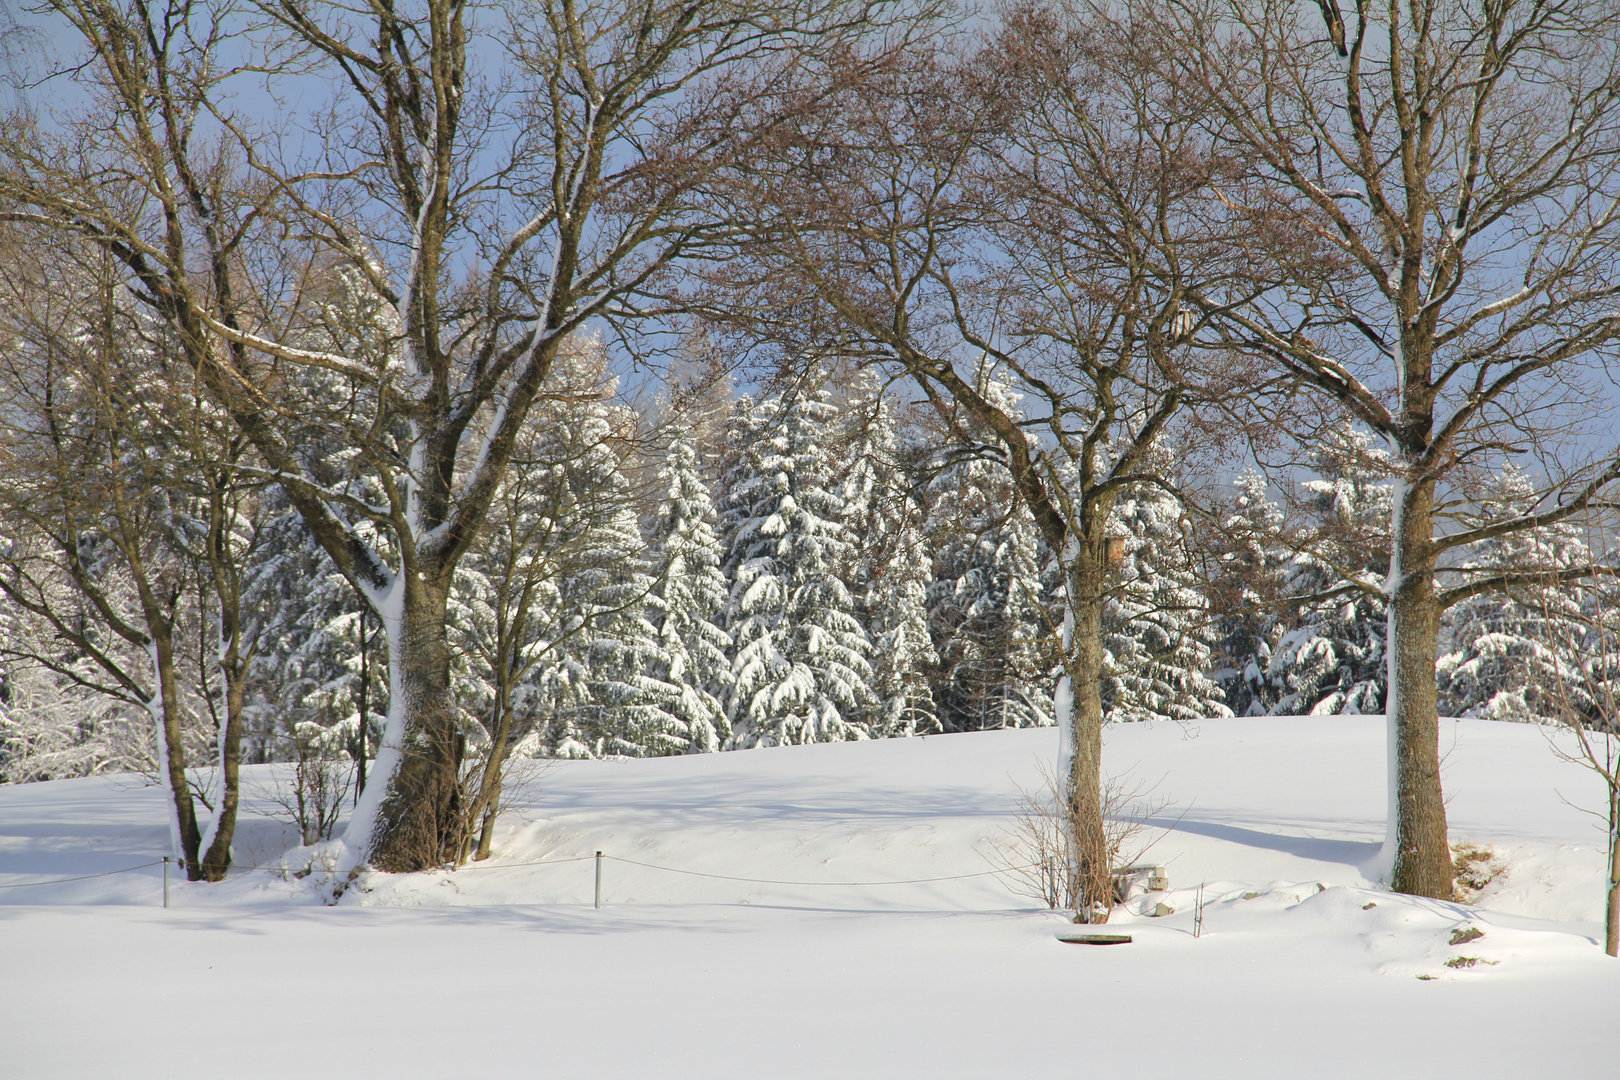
[808, 968]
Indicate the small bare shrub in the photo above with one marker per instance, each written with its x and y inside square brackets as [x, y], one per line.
[321, 782]
[1037, 855]
[483, 803]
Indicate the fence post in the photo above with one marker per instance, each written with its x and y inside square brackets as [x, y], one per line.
[598, 879]
[165, 881]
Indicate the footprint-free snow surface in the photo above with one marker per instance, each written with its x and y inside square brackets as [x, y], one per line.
[831, 911]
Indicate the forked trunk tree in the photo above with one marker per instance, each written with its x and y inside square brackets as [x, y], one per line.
[481, 216]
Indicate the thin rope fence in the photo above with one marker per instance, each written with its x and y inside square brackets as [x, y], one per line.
[430, 870]
[553, 862]
[840, 884]
[81, 877]
[180, 865]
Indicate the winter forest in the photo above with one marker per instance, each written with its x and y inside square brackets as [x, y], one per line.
[415, 392]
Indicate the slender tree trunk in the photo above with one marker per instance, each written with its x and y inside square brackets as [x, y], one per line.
[486, 830]
[217, 859]
[418, 818]
[480, 813]
[1611, 921]
[1422, 864]
[489, 788]
[167, 715]
[365, 714]
[1083, 770]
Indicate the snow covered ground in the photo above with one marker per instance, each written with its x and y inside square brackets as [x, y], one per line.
[1305, 968]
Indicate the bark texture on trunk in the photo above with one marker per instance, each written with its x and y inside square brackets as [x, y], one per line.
[1423, 864]
[1083, 781]
[217, 859]
[419, 818]
[174, 763]
[489, 785]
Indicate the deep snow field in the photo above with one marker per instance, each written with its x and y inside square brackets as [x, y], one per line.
[1305, 967]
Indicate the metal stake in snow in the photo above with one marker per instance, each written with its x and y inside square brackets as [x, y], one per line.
[165, 881]
[598, 879]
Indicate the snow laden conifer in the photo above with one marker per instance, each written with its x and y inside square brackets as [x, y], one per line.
[304, 679]
[1332, 659]
[1252, 560]
[629, 698]
[1510, 654]
[1157, 632]
[799, 656]
[301, 682]
[303, 687]
[601, 689]
[990, 628]
[53, 724]
[897, 622]
[688, 596]
[893, 566]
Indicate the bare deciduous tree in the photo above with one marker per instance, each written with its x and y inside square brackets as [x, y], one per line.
[1041, 207]
[1461, 161]
[486, 216]
[129, 524]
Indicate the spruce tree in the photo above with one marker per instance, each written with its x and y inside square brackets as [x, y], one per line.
[1156, 625]
[1510, 653]
[904, 654]
[1252, 561]
[1332, 659]
[689, 595]
[800, 653]
[893, 567]
[989, 624]
[601, 688]
[304, 678]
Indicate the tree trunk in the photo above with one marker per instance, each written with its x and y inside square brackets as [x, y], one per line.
[1083, 770]
[489, 788]
[1417, 842]
[1611, 911]
[365, 711]
[166, 714]
[486, 823]
[418, 816]
[217, 859]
